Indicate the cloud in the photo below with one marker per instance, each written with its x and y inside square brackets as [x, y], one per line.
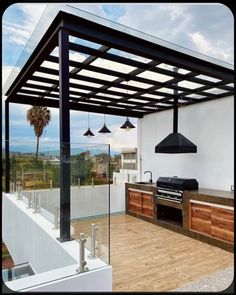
[179, 24]
[206, 47]
[205, 28]
[19, 33]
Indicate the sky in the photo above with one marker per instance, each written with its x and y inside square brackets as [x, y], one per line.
[207, 29]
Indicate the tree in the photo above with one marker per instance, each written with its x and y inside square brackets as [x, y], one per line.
[38, 117]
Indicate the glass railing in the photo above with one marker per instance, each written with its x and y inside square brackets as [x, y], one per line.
[35, 201]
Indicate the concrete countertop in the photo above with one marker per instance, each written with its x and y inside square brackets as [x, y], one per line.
[211, 192]
[204, 194]
[210, 195]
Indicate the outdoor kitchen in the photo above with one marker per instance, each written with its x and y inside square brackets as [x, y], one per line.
[170, 225]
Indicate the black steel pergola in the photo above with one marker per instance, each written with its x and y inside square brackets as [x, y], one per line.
[140, 80]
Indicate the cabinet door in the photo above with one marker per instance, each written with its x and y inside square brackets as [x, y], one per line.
[222, 224]
[200, 218]
[147, 208]
[135, 201]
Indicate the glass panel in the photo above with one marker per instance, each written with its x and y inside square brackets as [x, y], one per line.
[32, 210]
[215, 91]
[208, 78]
[129, 55]
[51, 11]
[155, 76]
[90, 198]
[80, 82]
[136, 84]
[116, 66]
[97, 75]
[17, 272]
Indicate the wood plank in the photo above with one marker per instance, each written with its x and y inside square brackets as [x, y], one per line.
[147, 205]
[224, 213]
[135, 201]
[147, 257]
[200, 218]
[222, 224]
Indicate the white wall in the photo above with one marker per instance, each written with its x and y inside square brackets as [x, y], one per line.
[209, 125]
[87, 201]
[31, 238]
[28, 238]
[65, 279]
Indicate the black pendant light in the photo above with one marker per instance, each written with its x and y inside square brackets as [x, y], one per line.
[127, 125]
[88, 133]
[104, 129]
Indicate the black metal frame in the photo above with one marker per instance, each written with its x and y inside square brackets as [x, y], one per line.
[104, 99]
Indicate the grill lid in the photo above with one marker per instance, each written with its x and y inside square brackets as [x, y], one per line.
[176, 183]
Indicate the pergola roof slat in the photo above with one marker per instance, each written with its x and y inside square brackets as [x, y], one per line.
[99, 81]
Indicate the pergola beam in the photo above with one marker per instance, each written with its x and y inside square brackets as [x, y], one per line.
[98, 33]
[54, 103]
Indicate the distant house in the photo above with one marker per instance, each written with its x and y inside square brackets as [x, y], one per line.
[100, 165]
[128, 171]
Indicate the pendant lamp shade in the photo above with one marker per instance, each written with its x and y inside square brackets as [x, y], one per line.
[127, 125]
[104, 129]
[88, 133]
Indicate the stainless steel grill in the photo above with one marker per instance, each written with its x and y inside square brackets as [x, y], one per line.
[172, 188]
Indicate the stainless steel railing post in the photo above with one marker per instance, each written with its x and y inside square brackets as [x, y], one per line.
[92, 181]
[82, 262]
[36, 202]
[78, 182]
[19, 193]
[50, 184]
[30, 201]
[93, 241]
[56, 217]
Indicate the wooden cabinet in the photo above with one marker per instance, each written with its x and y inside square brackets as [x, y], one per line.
[135, 201]
[140, 203]
[222, 224]
[200, 218]
[147, 205]
[213, 220]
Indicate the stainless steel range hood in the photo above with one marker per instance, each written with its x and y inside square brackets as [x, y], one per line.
[175, 142]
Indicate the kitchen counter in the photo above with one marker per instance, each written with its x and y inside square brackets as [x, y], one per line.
[142, 203]
[151, 187]
[210, 195]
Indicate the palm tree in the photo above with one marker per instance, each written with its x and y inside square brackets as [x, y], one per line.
[38, 117]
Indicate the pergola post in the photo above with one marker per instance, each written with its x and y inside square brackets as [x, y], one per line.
[64, 116]
[7, 152]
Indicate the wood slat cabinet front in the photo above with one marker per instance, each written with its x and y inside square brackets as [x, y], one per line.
[222, 224]
[201, 218]
[147, 205]
[140, 203]
[135, 201]
[212, 220]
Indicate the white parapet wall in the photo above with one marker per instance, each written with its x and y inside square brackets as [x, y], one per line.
[31, 238]
[87, 200]
[28, 237]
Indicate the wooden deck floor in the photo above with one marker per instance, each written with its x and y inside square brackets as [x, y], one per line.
[146, 257]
